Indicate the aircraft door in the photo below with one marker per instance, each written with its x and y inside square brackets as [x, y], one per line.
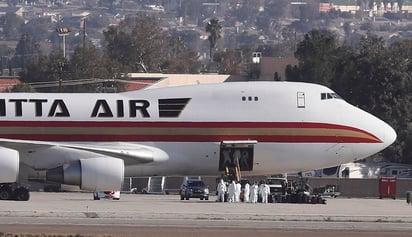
[301, 99]
[236, 155]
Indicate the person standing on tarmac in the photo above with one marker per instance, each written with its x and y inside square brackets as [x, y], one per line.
[221, 190]
[231, 192]
[254, 193]
[264, 192]
[238, 188]
[246, 192]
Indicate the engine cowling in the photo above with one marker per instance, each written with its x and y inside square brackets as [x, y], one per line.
[9, 165]
[94, 174]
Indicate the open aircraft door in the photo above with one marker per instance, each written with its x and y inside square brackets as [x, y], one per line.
[237, 154]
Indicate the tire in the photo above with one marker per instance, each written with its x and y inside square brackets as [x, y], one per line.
[5, 193]
[22, 194]
[117, 199]
[201, 198]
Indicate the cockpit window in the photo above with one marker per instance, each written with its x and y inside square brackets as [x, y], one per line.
[327, 96]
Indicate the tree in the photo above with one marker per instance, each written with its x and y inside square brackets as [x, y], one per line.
[136, 40]
[27, 49]
[229, 62]
[43, 69]
[12, 26]
[89, 62]
[38, 28]
[179, 58]
[316, 57]
[140, 41]
[214, 28]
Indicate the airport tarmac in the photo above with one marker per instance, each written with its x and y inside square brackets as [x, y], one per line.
[167, 215]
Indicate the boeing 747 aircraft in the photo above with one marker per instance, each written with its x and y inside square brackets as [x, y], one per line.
[95, 140]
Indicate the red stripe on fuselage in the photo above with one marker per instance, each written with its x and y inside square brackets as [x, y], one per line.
[370, 138]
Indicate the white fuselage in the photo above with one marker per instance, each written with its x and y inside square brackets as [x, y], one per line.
[296, 126]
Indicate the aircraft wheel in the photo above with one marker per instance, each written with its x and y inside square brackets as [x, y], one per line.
[22, 194]
[5, 193]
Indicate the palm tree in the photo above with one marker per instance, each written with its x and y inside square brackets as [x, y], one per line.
[215, 29]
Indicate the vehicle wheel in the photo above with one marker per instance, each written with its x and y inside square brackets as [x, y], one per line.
[116, 199]
[22, 194]
[5, 193]
[182, 198]
[201, 198]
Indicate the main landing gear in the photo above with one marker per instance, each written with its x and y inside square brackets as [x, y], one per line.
[13, 191]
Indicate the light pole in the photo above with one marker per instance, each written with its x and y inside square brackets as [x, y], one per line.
[63, 31]
[60, 65]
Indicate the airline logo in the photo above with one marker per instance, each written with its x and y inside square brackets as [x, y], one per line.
[169, 108]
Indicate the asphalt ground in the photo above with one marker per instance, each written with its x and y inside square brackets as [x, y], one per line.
[65, 214]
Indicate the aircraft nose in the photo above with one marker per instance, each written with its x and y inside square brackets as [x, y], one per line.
[388, 135]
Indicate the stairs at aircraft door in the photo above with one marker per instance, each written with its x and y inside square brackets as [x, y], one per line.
[156, 184]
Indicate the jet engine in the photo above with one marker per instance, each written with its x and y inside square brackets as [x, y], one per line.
[94, 174]
[9, 165]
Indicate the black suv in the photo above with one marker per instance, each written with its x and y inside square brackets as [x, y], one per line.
[193, 188]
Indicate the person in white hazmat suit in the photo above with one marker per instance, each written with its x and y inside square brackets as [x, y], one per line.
[238, 189]
[246, 193]
[254, 193]
[264, 192]
[231, 192]
[221, 190]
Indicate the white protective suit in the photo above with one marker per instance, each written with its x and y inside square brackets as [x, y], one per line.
[264, 192]
[238, 189]
[231, 192]
[246, 193]
[254, 193]
[221, 190]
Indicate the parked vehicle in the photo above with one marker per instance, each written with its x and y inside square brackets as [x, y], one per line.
[193, 188]
[278, 185]
[115, 195]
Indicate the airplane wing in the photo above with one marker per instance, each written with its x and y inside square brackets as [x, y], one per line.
[131, 153]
